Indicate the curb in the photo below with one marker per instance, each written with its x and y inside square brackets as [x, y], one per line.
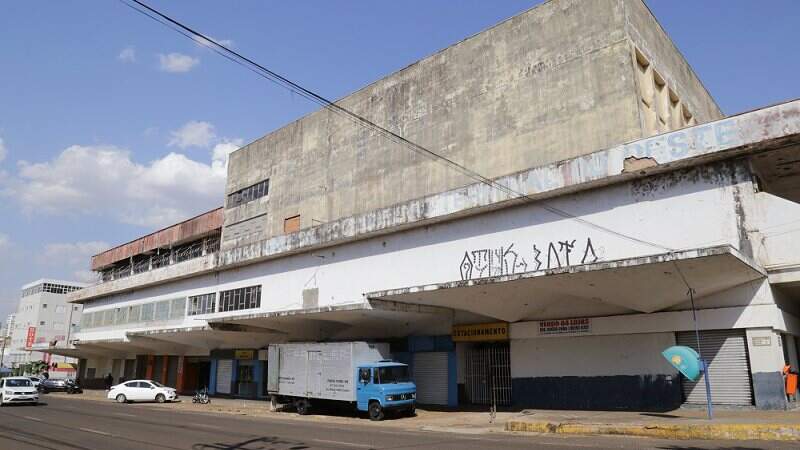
[767, 432]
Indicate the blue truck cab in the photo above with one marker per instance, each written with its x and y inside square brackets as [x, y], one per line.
[385, 386]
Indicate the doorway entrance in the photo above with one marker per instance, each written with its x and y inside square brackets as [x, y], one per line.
[488, 374]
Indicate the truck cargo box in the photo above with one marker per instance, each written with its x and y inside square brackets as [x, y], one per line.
[319, 370]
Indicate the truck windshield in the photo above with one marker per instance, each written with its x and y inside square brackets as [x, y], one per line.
[393, 374]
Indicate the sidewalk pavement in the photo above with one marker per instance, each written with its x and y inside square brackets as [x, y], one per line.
[684, 423]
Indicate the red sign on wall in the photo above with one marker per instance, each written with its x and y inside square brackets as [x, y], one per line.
[30, 337]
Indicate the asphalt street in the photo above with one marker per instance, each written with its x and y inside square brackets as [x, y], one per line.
[68, 423]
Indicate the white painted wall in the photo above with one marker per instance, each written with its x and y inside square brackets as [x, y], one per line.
[591, 356]
[679, 210]
[764, 358]
[775, 222]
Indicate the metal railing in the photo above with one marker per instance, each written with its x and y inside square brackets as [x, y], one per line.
[176, 255]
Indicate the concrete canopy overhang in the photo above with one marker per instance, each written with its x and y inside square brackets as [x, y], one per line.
[642, 284]
[199, 340]
[362, 320]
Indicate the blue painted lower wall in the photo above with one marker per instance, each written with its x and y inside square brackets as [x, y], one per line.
[620, 392]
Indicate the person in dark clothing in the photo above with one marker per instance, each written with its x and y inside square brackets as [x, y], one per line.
[109, 381]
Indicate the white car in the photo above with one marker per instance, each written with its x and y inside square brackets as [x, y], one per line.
[17, 390]
[142, 391]
[36, 381]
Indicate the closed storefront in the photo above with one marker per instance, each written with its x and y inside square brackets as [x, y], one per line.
[729, 368]
[488, 374]
[224, 376]
[486, 363]
[430, 375]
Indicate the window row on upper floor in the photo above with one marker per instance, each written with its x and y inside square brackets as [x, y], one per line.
[175, 309]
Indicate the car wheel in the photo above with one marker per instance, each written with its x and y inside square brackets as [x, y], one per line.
[2, 403]
[160, 398]
[121, 398]
[303, 407]
[375, 411]
[412, 411]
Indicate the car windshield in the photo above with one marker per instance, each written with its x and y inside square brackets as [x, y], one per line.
[18, 383]
[157, 384]
[393, 374]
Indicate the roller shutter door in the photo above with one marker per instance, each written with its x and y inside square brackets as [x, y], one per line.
[729, 367]
[224, 376]
[430, 375]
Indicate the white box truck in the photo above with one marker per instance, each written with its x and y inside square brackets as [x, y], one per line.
[360, 373]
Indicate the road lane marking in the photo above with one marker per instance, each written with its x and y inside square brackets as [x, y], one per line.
[349, 444]
[33, 418]
[213, 427]
[89, 430]
[124, 414]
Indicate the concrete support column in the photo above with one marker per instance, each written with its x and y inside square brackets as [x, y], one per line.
[151, 360]
[452, 379]
[766, 362]
[258, 374]
[179, 383]
[212, 378]
[235, 378]
[164, 369]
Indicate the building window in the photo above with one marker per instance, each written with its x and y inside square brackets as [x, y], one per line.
[134, 313]
[44, 305]
[202, 304]
[177, 308]
[291, 224]
[237, 299]
[162, 310]
[250, 193]
[41, 324]
[148, 309]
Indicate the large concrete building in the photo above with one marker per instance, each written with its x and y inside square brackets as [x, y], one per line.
[627, 190]
[44, 321]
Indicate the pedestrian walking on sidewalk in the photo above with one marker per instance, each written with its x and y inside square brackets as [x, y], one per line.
[109, 380]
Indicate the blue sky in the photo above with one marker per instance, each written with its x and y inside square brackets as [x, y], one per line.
[109, 122]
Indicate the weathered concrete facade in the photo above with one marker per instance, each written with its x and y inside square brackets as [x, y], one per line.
[562, 75]
[635, 193]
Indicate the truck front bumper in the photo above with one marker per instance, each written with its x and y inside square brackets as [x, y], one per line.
[399, 404]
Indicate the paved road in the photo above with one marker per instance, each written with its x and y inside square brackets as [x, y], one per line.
[65, 423]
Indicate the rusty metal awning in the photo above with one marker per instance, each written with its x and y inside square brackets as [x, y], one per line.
[641, 284]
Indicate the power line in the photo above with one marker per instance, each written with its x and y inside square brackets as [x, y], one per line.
[286, 83]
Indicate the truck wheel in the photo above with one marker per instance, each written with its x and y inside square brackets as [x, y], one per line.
[375, 411]
[303, 406]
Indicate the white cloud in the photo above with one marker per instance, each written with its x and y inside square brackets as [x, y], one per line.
[219, 155]
[127, 55]
[177, 62]
[3, 151]
[74, 257]
[206, 43]
[73, 253]
[193, 134]
[104, 181]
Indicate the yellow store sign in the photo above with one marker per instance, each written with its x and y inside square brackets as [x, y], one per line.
[481, 332]
[244, 354]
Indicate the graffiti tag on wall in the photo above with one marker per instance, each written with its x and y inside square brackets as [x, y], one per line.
[509, 260]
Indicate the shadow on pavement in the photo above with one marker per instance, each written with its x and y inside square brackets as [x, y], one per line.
[254, 444]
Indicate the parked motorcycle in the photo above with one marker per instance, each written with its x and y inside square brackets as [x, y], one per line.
[201, 397]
